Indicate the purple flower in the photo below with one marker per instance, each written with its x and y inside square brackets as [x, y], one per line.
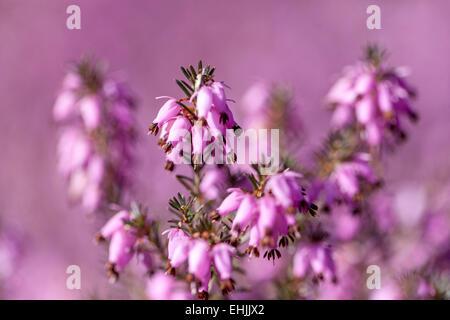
[169, 110]
[222, 260]
[125, 243]
[270, 216]
[286, 189]
[178, 247]
[213, 183]
[374, 97]
[315, 258]
[199, 259]
[204, 101]
[246, 213]
[201, 120]
[90, 111]
[121, 249]
[231, 202]
[94, 149]
[345, 180]
[164, 287]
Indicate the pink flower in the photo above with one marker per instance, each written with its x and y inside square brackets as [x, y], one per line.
[246, 213]
[213, 183]
[74, 150]
[90, 110]
[169, 110]
[203, 117]
[64, 105]
[126, 242]
[222, 260]
[105, 106]
[346, 177]
[204, 101]
[163, 287]
[316, 258]
[231, 202]
[219, 98]
[268, 216]
[121, 249]
[116, 223]
[179, 129]
[178, 247]
[199, 259]
[286, 189]
[373, 95]
[122, 241]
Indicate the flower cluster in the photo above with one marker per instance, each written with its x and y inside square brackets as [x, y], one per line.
[127, 233]
[343, 182]
[95, 147]
[200, 255]
[235, 210]
[316, 258]
[196, 124]
[268, 213]
[375, 96]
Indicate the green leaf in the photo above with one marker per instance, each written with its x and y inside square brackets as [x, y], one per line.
[194, 74]
[182, 87]
[186, 108]
[187, 85]
[175, 213]
[200, 67]
[187, 74]
[252, 179]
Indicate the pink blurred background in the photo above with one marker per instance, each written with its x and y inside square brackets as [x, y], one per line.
[304, 44]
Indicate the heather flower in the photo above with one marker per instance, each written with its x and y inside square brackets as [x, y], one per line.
[388, 291]
[246, 213]
[315, 258]
[178, 246]
[126, 241]
[345, 181]
[345, 223]
[94, 150]
[164, 287]
[346, 175]
[374, 97]
[199, 259]
[286, 189]
[213, 183]
[270, 216]
[200, 256]
[168, 111]
[231, 202]
[222, 253]
[197, 123]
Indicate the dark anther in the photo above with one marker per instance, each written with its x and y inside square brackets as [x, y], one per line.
[153, 129]
[169, 165]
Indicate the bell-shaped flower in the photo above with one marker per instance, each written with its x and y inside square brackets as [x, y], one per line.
[246, 213]
[90, 110]
[204, 101]
[170, 109]
[231, 202]
[199, 259]
[222, 260]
